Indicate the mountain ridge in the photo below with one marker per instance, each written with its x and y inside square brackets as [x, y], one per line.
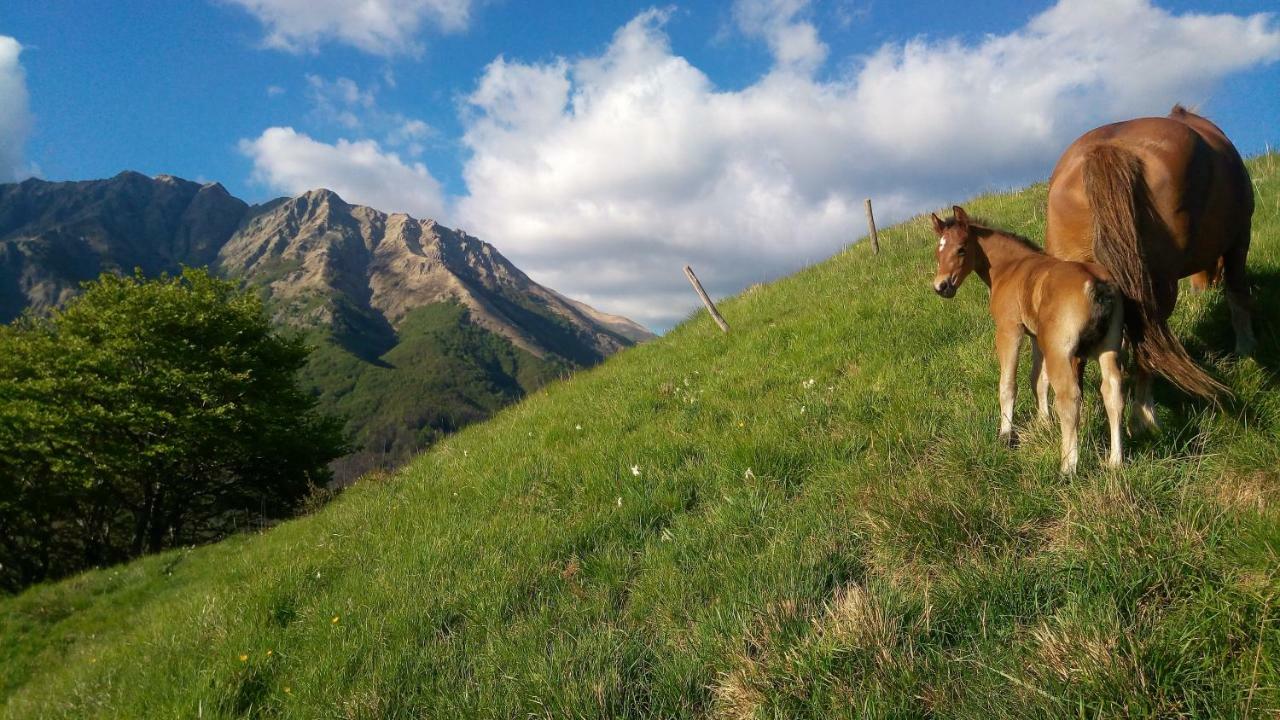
[348, 275]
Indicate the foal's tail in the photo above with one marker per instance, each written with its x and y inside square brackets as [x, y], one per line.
[1106, 304]
[1116, 191]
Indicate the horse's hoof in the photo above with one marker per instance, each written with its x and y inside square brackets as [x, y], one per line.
[1140, 425]
[1009, 439]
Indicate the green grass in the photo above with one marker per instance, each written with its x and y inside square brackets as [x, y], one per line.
[823, 525]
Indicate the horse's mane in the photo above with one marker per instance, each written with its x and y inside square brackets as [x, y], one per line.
[984, 224]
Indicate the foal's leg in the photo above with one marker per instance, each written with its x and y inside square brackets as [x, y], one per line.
[1008, 346]
[1064, 374]
[1238, 299]
[1040, 381]
[1113, 397]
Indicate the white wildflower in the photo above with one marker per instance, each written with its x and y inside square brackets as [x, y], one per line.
[635, 470]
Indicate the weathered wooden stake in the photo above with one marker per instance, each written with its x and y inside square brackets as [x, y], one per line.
[871, 229]
[706, 300]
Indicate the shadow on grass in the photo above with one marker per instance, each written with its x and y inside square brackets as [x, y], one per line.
[1212, 335]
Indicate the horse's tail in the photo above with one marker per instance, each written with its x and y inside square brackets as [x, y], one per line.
[1115, 189]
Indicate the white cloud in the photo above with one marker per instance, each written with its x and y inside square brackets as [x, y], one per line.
[344, 103]
[339, 100]
[360, 171]
[381, 27]
[15, 113]
[601, 176]
[409, 134]
[793, 42]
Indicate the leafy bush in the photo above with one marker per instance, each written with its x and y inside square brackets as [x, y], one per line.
[149, 414]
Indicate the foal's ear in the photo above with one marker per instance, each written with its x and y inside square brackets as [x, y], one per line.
[960, 215]
[937, 223]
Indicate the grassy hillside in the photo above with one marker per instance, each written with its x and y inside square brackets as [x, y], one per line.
[809, 517]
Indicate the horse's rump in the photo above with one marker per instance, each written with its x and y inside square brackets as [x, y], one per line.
[1118, 199]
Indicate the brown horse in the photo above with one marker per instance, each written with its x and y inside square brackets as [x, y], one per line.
[1154, 200]
[1071, 309]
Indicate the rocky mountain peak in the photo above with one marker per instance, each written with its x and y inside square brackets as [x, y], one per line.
[317, 247]
[310, 254]
[54, 235]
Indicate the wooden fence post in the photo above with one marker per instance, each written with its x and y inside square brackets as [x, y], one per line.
[871, 229]
[706, 300]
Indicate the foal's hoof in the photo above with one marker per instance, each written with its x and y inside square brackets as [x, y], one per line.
[1009, 439]
[1246, 347]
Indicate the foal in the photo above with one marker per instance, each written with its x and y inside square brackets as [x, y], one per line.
[1072, 311]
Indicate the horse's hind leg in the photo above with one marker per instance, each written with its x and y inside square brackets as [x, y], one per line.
[1064, 374]
[1238, 298]
[1040, 381]
[1206, 279]
[1143, 411]
[1113, 391]
[1008, 346]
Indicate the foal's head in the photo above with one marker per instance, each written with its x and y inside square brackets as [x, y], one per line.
[956, 251]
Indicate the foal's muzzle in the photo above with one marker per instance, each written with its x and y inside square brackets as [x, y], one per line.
[946, 288]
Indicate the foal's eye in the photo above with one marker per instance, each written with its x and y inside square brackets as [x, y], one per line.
[960, 252]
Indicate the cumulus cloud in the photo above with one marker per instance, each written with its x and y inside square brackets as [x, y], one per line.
[794, 42]
[601, 176]
[343, 103]
[360, 171]
[381, 27]
[15, 115]
[340, 100]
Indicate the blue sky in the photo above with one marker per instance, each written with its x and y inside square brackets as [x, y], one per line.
[192, 89]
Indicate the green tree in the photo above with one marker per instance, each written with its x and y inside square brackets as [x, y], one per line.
[148, 414]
